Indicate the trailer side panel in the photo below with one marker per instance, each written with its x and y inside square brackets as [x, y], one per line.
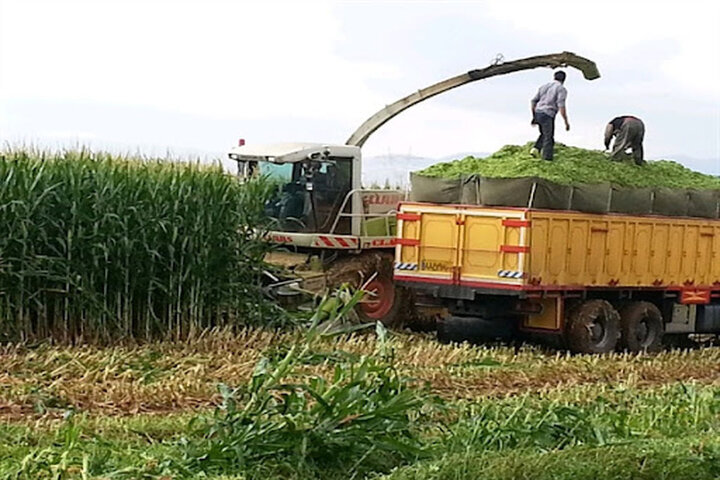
[516, 248]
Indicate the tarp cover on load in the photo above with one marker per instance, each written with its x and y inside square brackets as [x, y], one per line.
[434, 190]
[552, 195]
[702, 203]
[670, 202]
[505, 192]
[635, 201]
[577, 179]
[591, 198]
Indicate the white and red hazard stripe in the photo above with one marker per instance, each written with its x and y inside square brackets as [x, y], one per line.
[332, 241]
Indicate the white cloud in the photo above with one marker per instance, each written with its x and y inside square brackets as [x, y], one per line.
[68, 134]
[234, 59]
[684, 34]
[193, 72]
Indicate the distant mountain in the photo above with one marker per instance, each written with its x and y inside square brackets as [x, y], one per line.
[461, 155]
[710, 166]
[395, 169]
[392, 169]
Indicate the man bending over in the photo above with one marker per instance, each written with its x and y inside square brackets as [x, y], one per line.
[629, 132]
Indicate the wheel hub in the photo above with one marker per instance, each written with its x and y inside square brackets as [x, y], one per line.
[597, 331]
[644, 333]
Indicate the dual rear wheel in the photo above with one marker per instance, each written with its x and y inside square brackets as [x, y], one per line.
[595, 326]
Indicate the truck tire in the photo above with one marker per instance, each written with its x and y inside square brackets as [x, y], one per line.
[641, 327]
[593, 327]
[385, 299]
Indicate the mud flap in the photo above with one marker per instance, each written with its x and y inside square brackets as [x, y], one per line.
[474, 329]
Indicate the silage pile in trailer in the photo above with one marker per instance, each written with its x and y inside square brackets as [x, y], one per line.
[99, 246]
[578, 179]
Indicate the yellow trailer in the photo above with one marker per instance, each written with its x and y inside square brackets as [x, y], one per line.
[596, 281]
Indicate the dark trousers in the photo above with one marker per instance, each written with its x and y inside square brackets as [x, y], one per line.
[546, 141]
[631, 135]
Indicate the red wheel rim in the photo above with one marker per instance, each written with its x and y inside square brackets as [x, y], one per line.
[379, 300]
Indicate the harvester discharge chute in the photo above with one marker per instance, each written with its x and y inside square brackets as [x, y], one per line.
[499, 67]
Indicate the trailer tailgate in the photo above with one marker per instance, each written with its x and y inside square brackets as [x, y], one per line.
[457, 245]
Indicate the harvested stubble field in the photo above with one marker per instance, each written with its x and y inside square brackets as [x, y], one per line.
[128, 411]
[183, 376]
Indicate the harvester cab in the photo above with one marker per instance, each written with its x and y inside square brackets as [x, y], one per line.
[318, 199]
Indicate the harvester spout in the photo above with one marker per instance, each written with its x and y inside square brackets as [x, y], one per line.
[499, 67]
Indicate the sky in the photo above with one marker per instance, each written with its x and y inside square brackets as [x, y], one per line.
[191, 77]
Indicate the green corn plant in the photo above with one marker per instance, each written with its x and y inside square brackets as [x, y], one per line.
[102, 247]
[356, 421]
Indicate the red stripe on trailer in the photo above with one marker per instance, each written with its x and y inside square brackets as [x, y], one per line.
[491, 285]
[690, 294]
[327, 241]
[342, 241]
[463, 283]
[512, 222]
[408, 216]
[417, 278]
[408, 242]
[514, 249]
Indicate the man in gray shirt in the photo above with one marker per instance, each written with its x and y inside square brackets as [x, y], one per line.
[546, 103]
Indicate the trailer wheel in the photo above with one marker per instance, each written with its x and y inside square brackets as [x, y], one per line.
[641, 325]
[593, 327]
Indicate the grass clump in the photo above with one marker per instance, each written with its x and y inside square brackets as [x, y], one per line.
[616, 416]
[690, 458]
[620, 434]
[573, 165]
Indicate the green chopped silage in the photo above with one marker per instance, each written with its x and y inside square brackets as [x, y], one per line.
[574, 165]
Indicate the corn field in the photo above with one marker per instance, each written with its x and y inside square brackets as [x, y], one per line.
[101, 247]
